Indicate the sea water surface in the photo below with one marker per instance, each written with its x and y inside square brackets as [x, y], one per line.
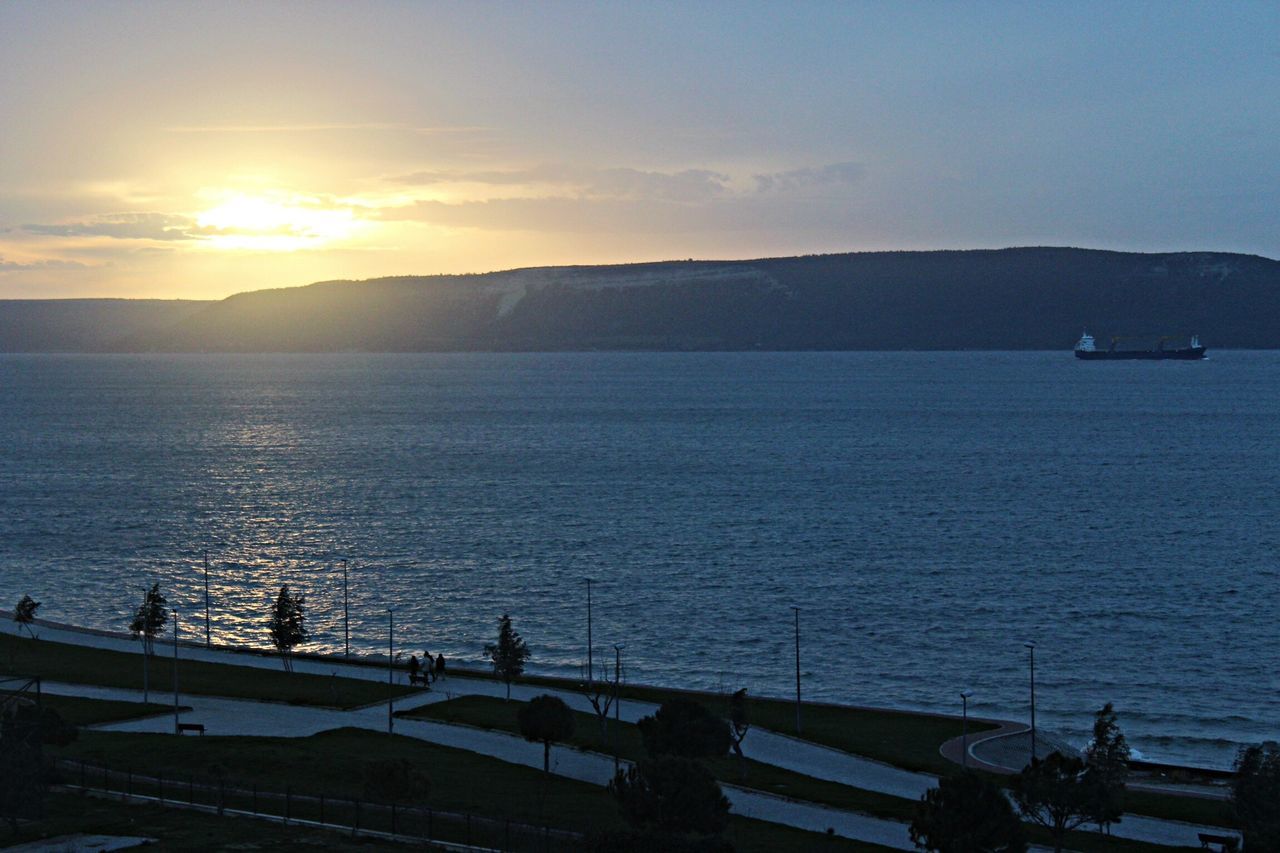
[927, 512]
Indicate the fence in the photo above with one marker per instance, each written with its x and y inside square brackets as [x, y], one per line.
[356, 816]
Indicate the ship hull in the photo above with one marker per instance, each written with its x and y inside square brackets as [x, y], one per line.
[1187, 354]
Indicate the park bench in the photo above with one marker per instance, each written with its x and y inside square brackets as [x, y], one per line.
[1226, 843]
[419, 678]
[191, 727]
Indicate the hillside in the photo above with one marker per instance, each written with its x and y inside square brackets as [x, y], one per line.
[85, 325]
[1032, 298]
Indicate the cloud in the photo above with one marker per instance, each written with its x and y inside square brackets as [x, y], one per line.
[123, 226]
[284, 128]
[617, 182]
[833, 174]
[43, 264]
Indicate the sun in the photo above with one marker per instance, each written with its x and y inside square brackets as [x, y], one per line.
[276, 222]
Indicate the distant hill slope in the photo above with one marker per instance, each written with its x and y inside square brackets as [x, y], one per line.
[1030, 298]
[85, 325]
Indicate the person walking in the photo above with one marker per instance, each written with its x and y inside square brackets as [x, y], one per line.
[413, 669]
[440, 666]
[427, 665]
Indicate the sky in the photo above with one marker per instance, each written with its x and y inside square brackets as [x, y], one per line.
[195, 150]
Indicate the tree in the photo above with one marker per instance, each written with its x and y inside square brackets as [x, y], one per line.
[1255, 794]
[546, 719]
[671, 795]
[24, 728]
[685, 728]
[1055, 793]
[1107, 760]
[25, 613]
[288, 625]
[967, 813]
[508, 654]
[150, 618]
[600, 693]
[739, 725]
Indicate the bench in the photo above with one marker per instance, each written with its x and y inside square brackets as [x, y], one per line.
[191, 727]
[419, 678]
[1226, 843]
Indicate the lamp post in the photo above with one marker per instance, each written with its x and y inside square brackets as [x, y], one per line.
[797, 611]
[591, 673]
[617, 708]
[1030, 646]
[176, 730]
[346, 613]
[208, 634]
[391, 660]
[964, 738]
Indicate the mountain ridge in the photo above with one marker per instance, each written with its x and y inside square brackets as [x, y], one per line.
[1014, 298]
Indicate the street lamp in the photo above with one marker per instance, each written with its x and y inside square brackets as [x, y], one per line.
[176, 730]
[346, 612]
[1031, 647]
[964, 738]
[797, 611]
[617, 708]
[591, 673]
[391, 659]
[208, 642]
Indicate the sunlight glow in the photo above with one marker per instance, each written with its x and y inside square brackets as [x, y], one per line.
[274, 222]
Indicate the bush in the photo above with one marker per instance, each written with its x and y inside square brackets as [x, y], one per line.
[685, 728]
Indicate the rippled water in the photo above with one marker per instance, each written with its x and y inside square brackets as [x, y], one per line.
[927, 512]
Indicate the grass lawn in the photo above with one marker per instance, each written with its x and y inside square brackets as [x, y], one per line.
[179, 829]
[904, 739]
[1173, 807]
[333, 763]
[86, 712]
[492, 713]
[107, 668]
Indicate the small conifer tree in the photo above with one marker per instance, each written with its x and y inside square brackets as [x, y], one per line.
[25, 613]
[288, 625]
[508, 654]
[150, 618]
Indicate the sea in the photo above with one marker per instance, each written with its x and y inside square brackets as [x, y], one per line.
[918, 517]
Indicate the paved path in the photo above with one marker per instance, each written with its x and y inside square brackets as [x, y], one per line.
[244, 717]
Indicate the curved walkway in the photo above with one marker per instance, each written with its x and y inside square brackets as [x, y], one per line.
[245, 717]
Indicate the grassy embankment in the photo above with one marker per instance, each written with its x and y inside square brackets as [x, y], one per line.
[333, 764]
[106, 668]
[906, 739]
[495, 714]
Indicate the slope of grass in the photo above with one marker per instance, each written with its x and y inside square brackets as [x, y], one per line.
[108, 668]
[87, 712]
[333, 764]
[905, 739]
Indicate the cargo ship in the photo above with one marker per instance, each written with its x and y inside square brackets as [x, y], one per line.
[1088, 350]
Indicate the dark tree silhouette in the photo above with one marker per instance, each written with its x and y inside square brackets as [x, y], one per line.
[546, 720]
[671, 795]
[25, 613]
[1255, 794]
[508, 654]
[600, 693]
[1107, 762]
[1055, 793]
[287, 627]
[739, 725]
[150, 618]
[967, 813]
[685, 728]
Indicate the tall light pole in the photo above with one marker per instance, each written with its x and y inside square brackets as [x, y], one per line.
[591, 672]
[391, 660]
[175, 672]
[797, 610]
[964, 738]
[208, 642]
[1031, 647]
[617, 708]
[346, 612]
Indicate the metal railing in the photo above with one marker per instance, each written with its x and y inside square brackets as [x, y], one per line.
[343, 813]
